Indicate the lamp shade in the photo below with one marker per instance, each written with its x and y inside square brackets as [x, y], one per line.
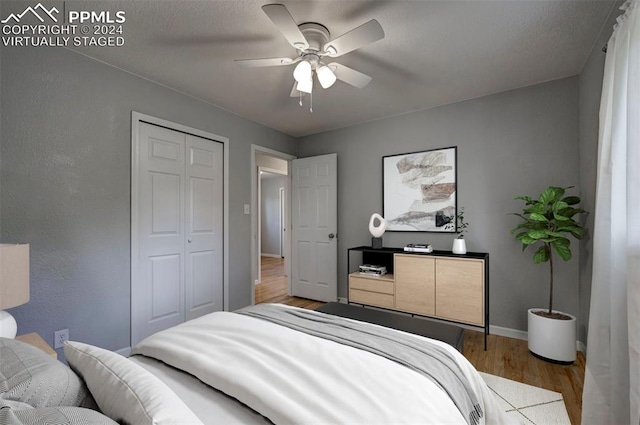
[325, 76]
[302, 72]
[305, 85]
[14, 284]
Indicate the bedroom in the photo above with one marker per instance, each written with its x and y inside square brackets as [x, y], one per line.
[66, 160]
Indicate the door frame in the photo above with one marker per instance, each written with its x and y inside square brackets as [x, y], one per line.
[281, 208]
[255, 254]
[136, 119]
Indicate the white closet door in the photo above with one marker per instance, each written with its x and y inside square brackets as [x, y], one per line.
[178, 230]
[204, 226]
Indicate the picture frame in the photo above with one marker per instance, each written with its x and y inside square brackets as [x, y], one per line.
[420, 191]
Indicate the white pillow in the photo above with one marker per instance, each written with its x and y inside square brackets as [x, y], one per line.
[125, 391]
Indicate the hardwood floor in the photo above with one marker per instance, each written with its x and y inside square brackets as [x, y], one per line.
[505, 357]
[273, 285]
[510, 358]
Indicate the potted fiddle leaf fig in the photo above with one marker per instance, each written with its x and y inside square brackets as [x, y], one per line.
[548, 222]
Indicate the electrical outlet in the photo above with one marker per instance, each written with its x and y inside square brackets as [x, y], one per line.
[59, 337]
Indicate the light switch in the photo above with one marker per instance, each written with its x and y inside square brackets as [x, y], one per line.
[247, 211]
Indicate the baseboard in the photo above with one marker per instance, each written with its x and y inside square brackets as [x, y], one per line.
[124, 351]
[263, 254]
[514, 333]
[508, 332]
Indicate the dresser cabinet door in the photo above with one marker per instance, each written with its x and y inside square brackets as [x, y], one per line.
[415, 285]
[459, 290]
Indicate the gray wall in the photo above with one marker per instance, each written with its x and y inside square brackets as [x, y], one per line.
[270, 213]
[511, 143]
[590, 87]
[65, 185]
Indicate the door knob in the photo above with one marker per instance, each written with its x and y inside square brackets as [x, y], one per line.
[189, 240]
[331, 236]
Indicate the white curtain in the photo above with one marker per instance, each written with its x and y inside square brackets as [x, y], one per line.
[612, 377]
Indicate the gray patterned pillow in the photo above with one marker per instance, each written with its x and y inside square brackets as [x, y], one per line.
[63, 415]
[28, 375]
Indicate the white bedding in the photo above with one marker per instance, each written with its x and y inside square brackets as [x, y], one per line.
[291, 377]
[211, 406]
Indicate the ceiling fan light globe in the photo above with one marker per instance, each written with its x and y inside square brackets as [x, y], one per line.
[326, 76]
[305, 86]
[302, 72]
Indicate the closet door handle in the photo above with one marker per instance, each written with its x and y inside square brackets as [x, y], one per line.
[189, 240]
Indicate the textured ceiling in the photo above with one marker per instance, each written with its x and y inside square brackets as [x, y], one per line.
[434, 53]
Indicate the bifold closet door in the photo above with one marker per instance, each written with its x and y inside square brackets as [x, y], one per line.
[178, 229]
[203, 253]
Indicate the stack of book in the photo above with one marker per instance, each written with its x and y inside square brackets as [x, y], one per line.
[373, 270]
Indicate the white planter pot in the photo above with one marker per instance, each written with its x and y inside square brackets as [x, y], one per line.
[552, 339]
[459, 246]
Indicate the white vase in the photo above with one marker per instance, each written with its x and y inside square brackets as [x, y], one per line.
[459, 246]
[552, 339]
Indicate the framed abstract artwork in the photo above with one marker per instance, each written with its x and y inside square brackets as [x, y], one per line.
[420, 191]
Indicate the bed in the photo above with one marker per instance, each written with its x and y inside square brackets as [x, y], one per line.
[271, 364]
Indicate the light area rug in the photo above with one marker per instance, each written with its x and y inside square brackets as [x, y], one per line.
[531, 404]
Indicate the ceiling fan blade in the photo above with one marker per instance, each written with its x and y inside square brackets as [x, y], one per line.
[350, 76]
[257, 63]
[282, 19]
[365, 34]
[295, 92]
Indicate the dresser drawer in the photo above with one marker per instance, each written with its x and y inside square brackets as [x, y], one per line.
[372, 284]
[371, 298]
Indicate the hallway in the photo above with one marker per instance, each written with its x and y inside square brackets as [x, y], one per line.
[273, 285]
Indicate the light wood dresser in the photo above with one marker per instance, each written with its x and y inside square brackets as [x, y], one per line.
[439, 285]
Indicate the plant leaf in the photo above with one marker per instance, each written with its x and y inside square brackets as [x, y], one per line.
[569, 226]
[560, 217]
[537, 234]
[536, 208]
[538, 217]
[559, 206]
[562, 249]
[555, 234]
[541, 255]
[570, 212]
[551, 194]
[525, 239]
[579, 233]
[527, 199]
[571, 200]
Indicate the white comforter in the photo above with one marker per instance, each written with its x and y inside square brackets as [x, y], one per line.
[294, 378]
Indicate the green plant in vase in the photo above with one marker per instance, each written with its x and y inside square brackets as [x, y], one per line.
[459, 244]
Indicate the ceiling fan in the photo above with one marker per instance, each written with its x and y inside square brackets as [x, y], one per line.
[313, 45]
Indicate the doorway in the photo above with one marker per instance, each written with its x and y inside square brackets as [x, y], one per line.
[311, 270]
[272, 283]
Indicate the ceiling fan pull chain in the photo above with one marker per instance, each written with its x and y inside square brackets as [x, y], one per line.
[300, 94]
[311, 102]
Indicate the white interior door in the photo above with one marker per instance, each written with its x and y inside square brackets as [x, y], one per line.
[203, 252]
[315, 226]
[177, 227]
